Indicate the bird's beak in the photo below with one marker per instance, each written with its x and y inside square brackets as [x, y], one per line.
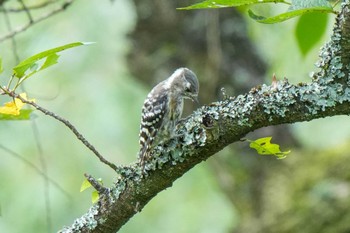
[195, 99]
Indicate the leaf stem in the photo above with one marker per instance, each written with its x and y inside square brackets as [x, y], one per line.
[10, 82]
[65, 122]
[285, 2]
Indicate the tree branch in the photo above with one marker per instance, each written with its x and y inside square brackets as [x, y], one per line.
[66, 123]
[212, 127]
[25, 8]
[37, 170]
[34, 21]
[31, 7]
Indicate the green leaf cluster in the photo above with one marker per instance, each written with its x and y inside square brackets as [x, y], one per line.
[296, 8]
[310, 27]
[29, 67]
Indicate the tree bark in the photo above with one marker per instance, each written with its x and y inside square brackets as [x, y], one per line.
[215, 126]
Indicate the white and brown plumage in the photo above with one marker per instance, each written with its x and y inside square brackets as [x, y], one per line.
[163, 107]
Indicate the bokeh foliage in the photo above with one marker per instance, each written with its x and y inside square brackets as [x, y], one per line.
[101, 92]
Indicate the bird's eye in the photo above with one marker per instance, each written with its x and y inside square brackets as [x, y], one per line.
[188, 87]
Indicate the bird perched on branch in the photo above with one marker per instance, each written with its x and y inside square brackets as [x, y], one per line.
[163, 108]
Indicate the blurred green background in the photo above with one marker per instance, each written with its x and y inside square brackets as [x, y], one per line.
[100, 88]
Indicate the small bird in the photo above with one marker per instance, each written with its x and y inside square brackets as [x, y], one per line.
[163, 108]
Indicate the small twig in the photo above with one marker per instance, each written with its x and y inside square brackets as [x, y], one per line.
[94, 183]
[46, 181]
[27, 11]
[10, 82]
[336, 3]
[34, 167]
[26, 26]
[13, 40]
[32, 7]
[66, 123]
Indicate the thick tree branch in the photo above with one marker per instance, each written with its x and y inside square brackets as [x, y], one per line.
[212, 127]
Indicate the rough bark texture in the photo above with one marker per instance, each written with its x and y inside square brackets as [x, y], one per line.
[212, 127]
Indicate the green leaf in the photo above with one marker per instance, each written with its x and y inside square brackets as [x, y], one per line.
[309, 30]
[288, 15]
[24, 115]
[50, 60]
[264, 147]
[94, 196]
[226, 3]
[1, 69]
[50, 57]
[85, 185]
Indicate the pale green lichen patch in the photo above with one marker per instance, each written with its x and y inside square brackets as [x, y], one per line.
[120, 186]
[132, 171]
[87, 221]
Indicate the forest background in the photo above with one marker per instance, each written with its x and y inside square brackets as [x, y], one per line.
[100, 88]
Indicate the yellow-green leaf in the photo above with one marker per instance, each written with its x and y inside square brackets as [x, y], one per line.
[50, 60]
[264, 147]
[85, 185]
[94, 196]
